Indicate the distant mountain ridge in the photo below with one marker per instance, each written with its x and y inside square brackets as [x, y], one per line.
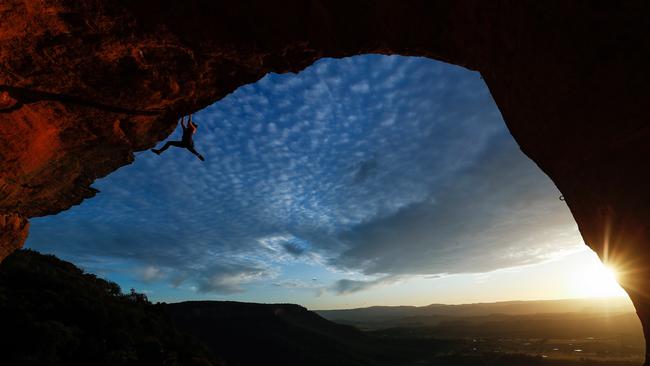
[249, 334]
[372, 317]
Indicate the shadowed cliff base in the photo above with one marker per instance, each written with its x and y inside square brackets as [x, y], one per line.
[569, 78]
[55, 314]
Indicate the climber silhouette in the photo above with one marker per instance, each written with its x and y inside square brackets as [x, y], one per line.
[186, 142]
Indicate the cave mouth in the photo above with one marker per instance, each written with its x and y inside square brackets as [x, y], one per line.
[569, 80]
[344, 165]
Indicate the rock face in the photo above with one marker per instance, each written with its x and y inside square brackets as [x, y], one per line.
[13, 232]
[84, 84]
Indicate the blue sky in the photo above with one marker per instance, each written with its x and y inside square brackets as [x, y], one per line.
[328, 188]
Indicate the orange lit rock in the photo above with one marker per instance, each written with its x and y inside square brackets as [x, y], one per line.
[6, 101]
[13, 232]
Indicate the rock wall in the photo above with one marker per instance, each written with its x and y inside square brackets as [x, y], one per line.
[13, 232]
[85, 84]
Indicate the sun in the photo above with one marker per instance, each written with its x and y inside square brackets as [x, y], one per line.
[595, 279]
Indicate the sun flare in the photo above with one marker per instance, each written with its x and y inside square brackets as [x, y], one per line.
[597, 280]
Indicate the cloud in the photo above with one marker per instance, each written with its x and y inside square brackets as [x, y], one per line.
[282, 246]
[346, 286]
[150, 274]
[298, 284]
[365, 169]
[360, 87]
[294, 248]
[382, 165]
[229, 279]
[499, 212]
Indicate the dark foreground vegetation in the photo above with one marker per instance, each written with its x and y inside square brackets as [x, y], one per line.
[52, 313]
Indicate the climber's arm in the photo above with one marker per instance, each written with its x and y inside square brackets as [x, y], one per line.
[191, 124]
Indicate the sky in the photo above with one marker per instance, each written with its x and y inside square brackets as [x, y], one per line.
[370, 180]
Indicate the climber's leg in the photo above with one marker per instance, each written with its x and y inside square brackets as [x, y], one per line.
[167, 145]
[193, 151]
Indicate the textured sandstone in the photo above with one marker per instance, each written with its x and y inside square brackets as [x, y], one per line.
[83, 84]
[13, 232]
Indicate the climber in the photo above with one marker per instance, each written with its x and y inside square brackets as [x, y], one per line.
[186, 142]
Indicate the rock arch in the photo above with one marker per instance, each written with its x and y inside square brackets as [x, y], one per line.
[84, 84]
